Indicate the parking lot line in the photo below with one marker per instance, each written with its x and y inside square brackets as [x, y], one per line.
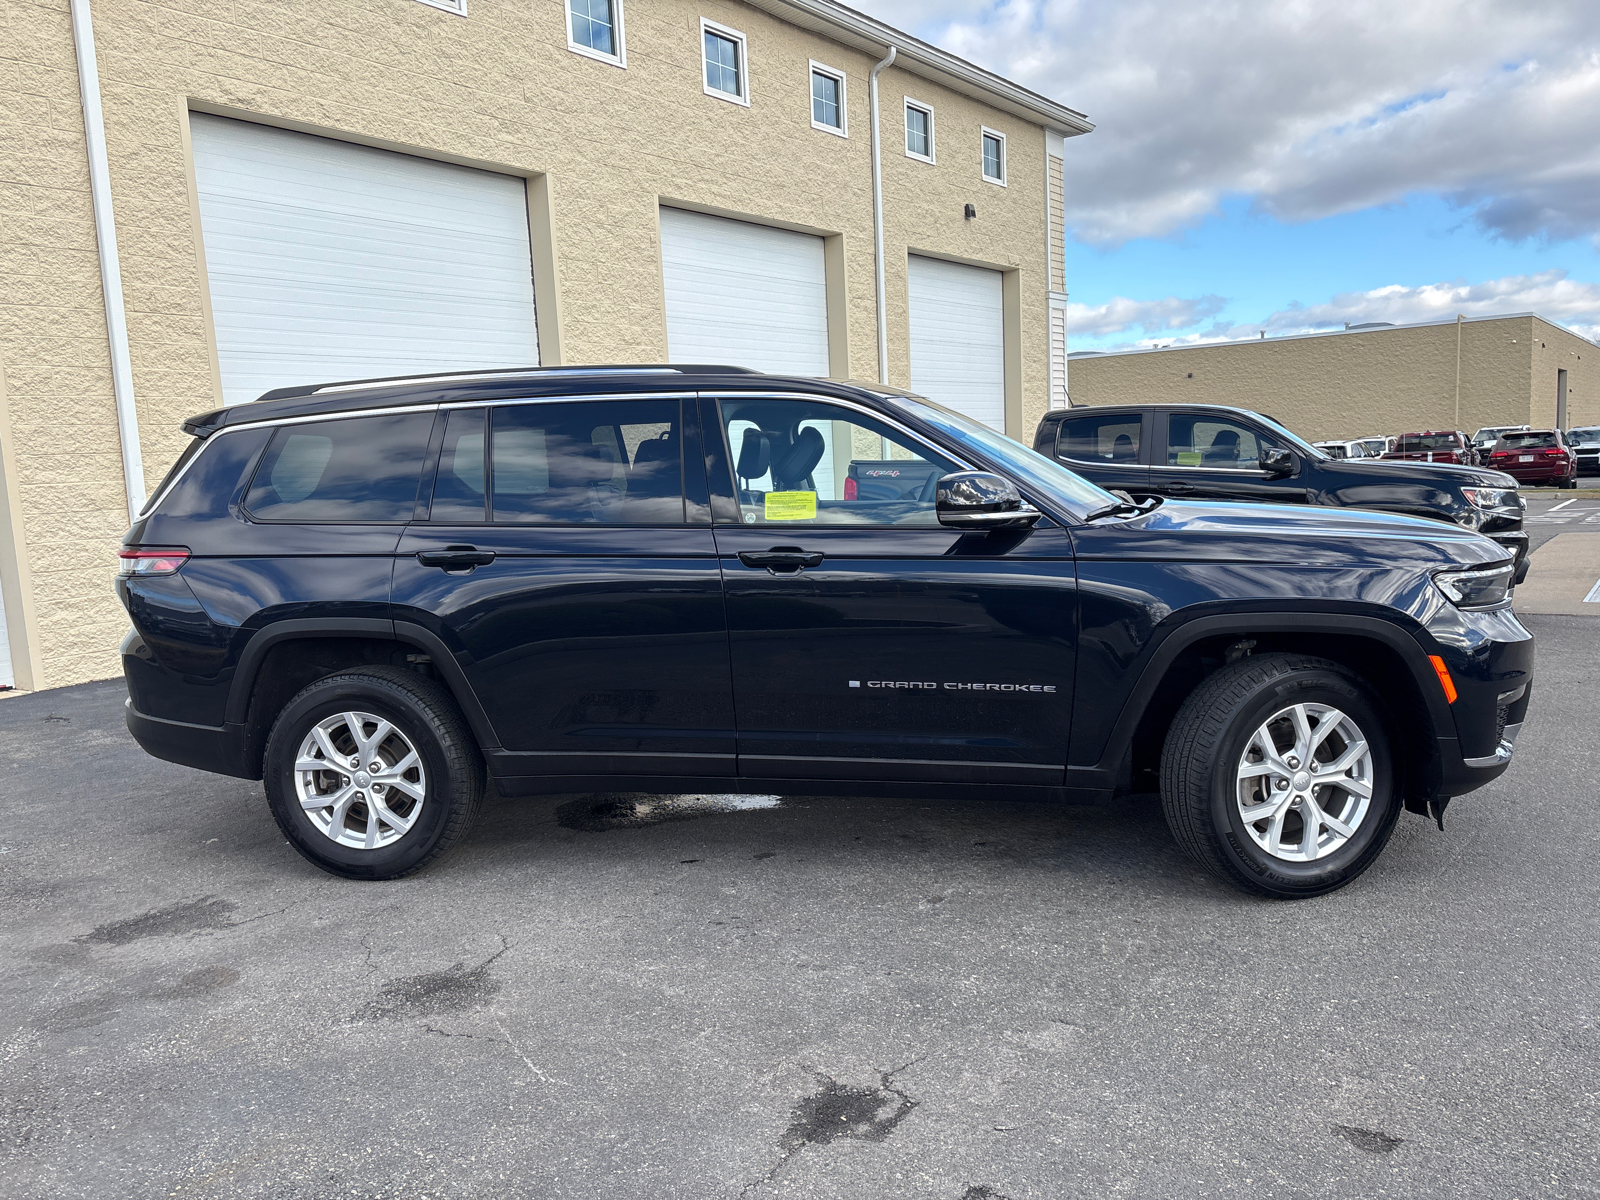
[1563, 504]
[1594, 594]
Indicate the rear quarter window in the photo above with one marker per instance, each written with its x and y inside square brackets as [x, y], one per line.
[350, 471]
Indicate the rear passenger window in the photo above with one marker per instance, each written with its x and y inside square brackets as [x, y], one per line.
[1113, 438]
[586, 462]
[354, 471]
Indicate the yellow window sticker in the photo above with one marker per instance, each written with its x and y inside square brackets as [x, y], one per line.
[1188, 458]
[791, 506]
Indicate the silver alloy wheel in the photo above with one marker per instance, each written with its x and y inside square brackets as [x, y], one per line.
[1305, 782]
[360, 780]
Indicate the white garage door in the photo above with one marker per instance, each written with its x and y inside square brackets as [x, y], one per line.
[745, 295]
[329, 261]
[958, 338]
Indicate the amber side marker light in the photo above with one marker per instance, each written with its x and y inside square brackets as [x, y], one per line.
[1443, 672]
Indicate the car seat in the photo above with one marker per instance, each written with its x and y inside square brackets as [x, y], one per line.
[1224, 449]
[1123, 449]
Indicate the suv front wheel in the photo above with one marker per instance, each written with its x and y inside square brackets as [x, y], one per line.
[372, 774]
[1277, 776]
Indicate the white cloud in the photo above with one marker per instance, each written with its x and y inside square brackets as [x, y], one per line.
[1121, 314]
[1551, 294]
[1310, 109]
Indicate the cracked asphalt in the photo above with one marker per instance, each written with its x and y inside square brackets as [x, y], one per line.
[622, 997]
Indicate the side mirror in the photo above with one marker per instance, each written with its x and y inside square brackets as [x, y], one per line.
[1278, 463]
[979, 500]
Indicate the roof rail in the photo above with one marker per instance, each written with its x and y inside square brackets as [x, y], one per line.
[316, 389]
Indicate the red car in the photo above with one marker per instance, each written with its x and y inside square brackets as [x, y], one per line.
[1536, 456]
[1440, 445]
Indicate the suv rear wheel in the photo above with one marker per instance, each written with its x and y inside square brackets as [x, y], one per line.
[1277, 776]
[372, 774]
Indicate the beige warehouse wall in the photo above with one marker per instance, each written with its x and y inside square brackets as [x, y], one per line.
[63, 465]
[1555, 349]
[1345, 384]
[604, 148]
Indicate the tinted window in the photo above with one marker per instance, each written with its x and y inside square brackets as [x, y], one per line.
[1419, 442]
[601, 462]
[798, 462]
[1106, 439]
[459, 489]
[1217, 443]
[1526, 441]
[360, 470]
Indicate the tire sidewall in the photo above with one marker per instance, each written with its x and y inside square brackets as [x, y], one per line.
[327, 699]
[1262, 870]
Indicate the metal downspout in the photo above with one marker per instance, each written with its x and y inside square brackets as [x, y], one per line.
[877, 222]
[105, 233]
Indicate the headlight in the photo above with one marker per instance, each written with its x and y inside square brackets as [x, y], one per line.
[1478, 587]
[1491, 497]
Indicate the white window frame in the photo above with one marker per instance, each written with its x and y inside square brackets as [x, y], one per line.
[456, 7]
[933, 145]
[620, 58]
[843, 128]
[733, 35]
[985, 131]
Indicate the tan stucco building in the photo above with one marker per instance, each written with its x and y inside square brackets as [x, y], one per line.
[1361, 382]
[293, 190]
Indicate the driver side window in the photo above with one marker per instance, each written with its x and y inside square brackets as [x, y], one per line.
[800, 462]
[1214, 443]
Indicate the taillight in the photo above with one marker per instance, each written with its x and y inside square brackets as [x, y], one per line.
[850, 489]
[152, 560]
[1555, 452]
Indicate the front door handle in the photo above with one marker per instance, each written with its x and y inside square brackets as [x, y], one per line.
[456, 558]
[781, 560]
[1179, 489]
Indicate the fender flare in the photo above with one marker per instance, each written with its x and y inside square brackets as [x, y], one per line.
[303, 628]
[1185, 635]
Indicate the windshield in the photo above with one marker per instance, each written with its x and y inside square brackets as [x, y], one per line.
[1584, 435]
[1295, 440]
[1522, 441]
[1029, 466]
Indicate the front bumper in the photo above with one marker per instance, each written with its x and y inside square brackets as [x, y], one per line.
[1490, 658]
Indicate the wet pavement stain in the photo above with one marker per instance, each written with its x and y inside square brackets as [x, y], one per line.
[189, 917]
[82, 1014]
[199, 983]
[839, 1111]
[1369, 1140]
[602, 811]
[981, 1191]
[434, 993]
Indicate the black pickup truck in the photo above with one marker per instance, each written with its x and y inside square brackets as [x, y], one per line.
[1213, 452]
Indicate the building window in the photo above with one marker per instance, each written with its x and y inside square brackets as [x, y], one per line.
[459, 7]
[919, 130]
[827, 99]
[994, 157]
[594, 28]
[727, 75]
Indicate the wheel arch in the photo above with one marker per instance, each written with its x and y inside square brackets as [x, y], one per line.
[1386, 657]
[287, 655]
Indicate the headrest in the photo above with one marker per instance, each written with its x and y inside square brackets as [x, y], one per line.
[755, 455]
[580, 466]
[792, 464]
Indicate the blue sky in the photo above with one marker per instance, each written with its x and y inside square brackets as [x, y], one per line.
[1288, 166]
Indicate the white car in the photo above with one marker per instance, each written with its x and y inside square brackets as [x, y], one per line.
[1376, 447]
[1344, 449]
[1483, 441]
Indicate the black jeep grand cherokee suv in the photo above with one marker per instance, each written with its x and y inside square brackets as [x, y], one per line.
[375, 594]
[1213, 452]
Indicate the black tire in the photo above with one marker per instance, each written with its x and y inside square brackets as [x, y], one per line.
[1200, 761]
[426, 715]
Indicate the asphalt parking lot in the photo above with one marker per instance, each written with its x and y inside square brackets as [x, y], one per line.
[594, 997]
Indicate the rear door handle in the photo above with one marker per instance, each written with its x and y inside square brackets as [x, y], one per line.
[456, 558]
[781, 559]
[1178, 489]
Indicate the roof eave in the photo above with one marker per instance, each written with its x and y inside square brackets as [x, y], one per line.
[865, 33]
